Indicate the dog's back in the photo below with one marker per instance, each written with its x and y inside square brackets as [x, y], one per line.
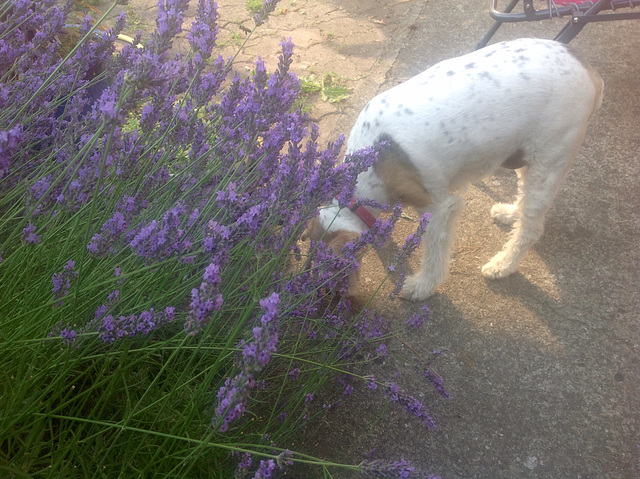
[461, 119]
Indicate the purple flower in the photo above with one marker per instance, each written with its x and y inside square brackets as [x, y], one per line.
[108, 107]
[266, 470]
[212, 274]
[437, 383]
[40, 187]
[283, 459]
[256, 355]
[204, 302]
[386, 469]
[68, 336]
[159, 240]
[371, 383]
[111, 328]
[232, 399]
[294, 374]
[410, 403]
[204, 29]
[29, 235]
[417, 320]
[62, 281]
[268, 6]
[169, 24]
[115, 228]
[243, 466]
[412, 242]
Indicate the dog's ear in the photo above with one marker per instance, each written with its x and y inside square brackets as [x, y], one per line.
[339, 239]
[313, 231]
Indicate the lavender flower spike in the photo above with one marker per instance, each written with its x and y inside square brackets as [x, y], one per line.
[268, 6]
[397, 469]
[392, 470]
[266, 470]
[62, 281]
[29, 235]
[232, 397]
[204, 30]
[410, 403]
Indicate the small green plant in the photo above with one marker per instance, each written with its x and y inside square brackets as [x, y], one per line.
[133, 16]
[235, 39]
[330, 87]
[254, 6]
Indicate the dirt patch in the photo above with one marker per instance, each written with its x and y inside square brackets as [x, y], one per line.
[344, 42]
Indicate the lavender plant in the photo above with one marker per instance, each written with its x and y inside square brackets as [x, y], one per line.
[150, 208]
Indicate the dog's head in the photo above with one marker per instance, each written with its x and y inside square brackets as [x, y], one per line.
[336, 241]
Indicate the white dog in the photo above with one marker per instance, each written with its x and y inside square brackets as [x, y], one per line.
[521, 104]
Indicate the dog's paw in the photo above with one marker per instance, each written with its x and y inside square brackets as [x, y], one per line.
[417, 288]
[499, 267]
[504, 213]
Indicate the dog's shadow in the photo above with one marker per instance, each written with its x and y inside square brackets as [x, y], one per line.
[501, 189]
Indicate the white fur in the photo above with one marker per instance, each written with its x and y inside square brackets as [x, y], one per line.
[459, 121]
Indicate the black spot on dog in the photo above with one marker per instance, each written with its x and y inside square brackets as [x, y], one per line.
[525, 76]
[366, 125]
[450, 73]
[408, 111]
[367, 107]
[470, 66]
[485, 75]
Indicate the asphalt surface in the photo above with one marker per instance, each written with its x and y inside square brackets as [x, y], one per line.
[544, 366]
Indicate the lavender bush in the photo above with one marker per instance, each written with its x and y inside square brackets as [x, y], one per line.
[158, 317]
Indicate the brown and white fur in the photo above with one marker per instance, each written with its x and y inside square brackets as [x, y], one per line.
[522, 104]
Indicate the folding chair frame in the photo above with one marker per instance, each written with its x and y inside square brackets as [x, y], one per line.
[580, 11]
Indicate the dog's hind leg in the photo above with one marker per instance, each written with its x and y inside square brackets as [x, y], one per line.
[507, 213]
[540, 183]
[436, 249]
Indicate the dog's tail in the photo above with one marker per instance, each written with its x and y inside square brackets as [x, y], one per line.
[598, 84]
[595, 78]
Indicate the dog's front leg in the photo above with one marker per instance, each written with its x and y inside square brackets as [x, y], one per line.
[436, 249]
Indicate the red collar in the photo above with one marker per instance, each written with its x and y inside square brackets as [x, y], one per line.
[361, 212]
